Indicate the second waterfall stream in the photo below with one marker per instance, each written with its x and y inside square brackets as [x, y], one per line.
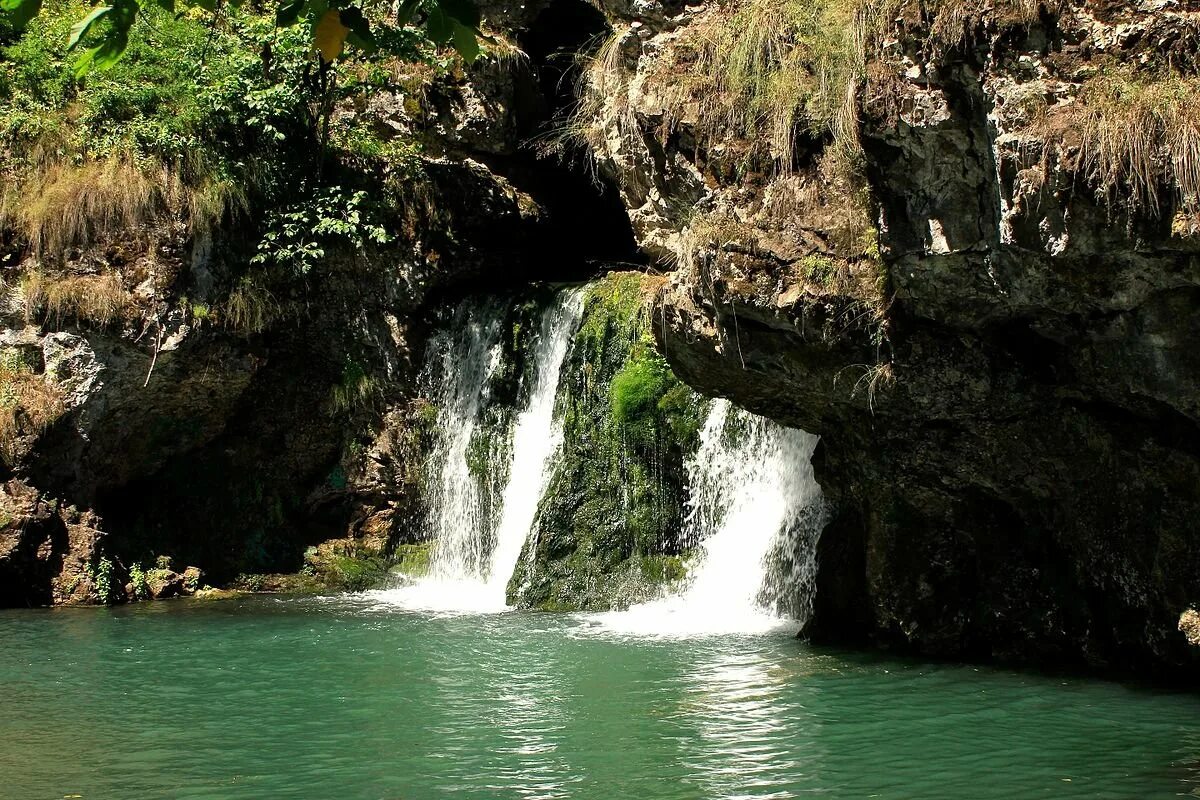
[752, 514]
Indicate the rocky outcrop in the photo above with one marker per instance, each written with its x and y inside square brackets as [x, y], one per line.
[48, 554]
[1009, 428]
[609, 528]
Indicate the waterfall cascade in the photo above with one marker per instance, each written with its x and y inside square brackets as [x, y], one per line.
[755, 512]
[476, 545]
[536, 438]
[461, 361]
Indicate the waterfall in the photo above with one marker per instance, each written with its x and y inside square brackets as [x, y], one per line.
[461, 360]
[477, 541]
[755, 512]
[536, 438]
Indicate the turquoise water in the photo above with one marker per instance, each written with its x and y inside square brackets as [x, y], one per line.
[274, 698]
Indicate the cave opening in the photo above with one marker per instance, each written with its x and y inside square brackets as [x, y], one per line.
[586, 227]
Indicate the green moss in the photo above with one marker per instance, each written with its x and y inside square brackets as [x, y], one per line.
[556, 606]
[683, 410]
[356, 574]
[298, 583]
[616, 497]
[413, 560]
[664, 569]
[637, 389]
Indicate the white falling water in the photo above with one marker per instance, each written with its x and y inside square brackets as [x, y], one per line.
[471, 567]
[461, 363]
[755, 509]
[536, 439]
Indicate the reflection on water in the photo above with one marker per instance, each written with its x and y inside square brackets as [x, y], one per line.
[344, 699]
[748, 741]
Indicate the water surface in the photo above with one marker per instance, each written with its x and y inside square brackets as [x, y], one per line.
[274, 698]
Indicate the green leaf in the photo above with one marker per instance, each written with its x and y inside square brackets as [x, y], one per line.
[360, 30]
[21, 11]
[288, 12]
[406, 11]
[329, 35]
[104, 55]
[466, 42]
[439, 26]
[80, 29]
[120, 18]
[464, 12]
[166, 5]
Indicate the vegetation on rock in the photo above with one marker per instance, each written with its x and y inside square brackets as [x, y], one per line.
[28, 404]
[1137, 140]
[606, 531]
[197, 127]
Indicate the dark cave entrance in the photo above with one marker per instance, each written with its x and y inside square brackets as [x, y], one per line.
[586, 226]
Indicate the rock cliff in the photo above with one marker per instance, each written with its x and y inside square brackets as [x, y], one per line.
[1006, 387]
[959, 239]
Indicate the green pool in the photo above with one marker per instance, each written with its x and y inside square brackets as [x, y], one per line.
[346, 700]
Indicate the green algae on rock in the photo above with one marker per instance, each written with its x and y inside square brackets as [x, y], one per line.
[607, 529]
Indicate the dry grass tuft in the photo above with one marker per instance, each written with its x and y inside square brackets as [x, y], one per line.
[504, 51]
[761, 71]
[250, 307]
[28, 405]
[1136, 139]
[770, 71]
[98, 300]
[603, 107]
[61, 206]
[72, 206]
[875, 378]
[955, 21]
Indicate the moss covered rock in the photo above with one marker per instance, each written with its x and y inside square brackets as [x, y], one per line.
[607, 529]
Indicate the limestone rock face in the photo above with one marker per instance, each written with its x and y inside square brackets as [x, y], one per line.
[1010, 431]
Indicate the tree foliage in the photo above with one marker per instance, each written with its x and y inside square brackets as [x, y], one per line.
[103, 34]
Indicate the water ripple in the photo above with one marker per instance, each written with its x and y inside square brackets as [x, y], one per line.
[341, 698]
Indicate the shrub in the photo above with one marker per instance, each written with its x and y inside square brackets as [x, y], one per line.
[139, 582]
[296, 236]
[196, 123]
[103, 577]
